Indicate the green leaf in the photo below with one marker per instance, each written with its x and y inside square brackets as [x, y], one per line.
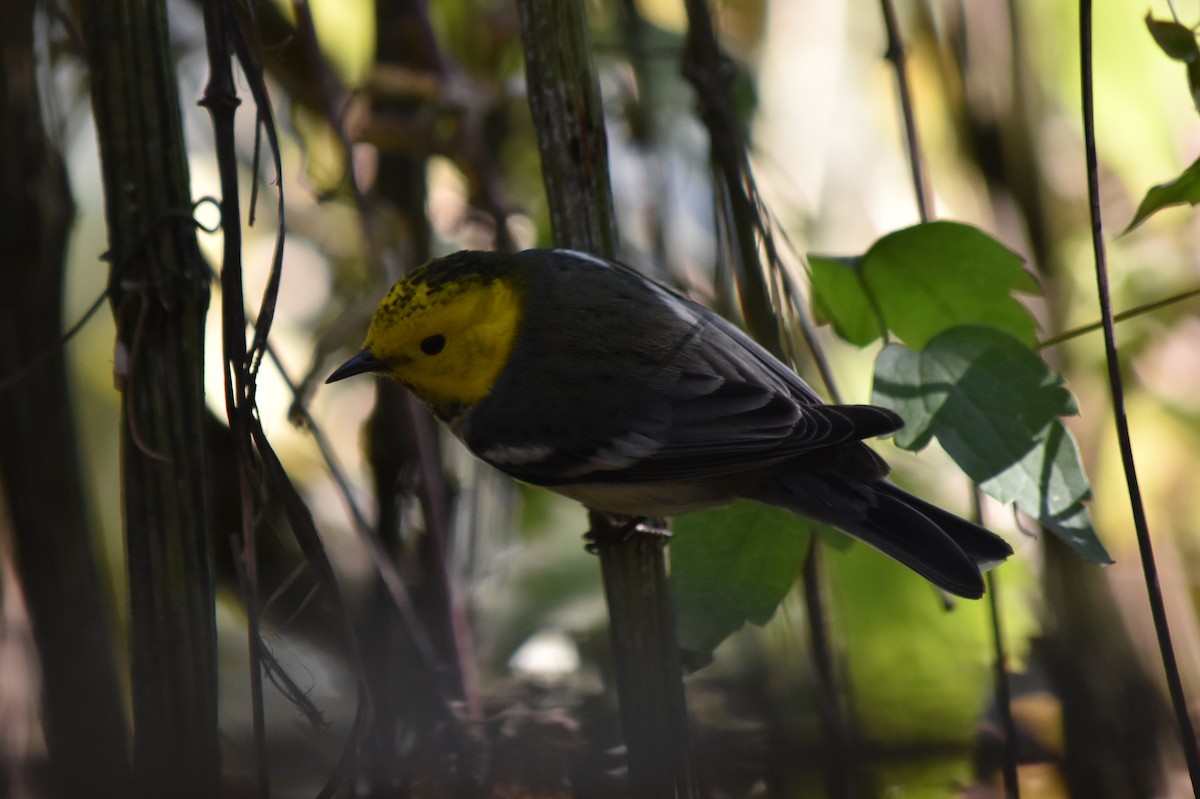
[1177, 41]
[988, 395]
[980, 391]
[898, 386]
[922, 280]
[1049, 485]
[934, 276]
[1183, 189]
[839, 299]
[733, 565]
[994, 406]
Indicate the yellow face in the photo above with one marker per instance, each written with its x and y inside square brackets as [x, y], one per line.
[448, 342]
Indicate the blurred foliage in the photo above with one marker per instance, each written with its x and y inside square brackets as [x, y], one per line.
[996, 93]
[1178, 42]
[1183, 189]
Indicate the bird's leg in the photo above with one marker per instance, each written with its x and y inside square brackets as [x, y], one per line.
[611, 528]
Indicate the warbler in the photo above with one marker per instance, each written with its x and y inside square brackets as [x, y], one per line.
[579, 374]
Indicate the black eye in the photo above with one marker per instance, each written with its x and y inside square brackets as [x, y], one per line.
[432, 345]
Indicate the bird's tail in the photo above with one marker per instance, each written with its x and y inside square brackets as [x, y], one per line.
[949, 551]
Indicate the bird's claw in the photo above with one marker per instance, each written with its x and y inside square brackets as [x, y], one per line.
[609, 528]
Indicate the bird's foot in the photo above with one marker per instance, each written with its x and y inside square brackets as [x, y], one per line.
[610, 528]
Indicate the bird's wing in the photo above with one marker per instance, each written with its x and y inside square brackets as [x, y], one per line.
[706, 402]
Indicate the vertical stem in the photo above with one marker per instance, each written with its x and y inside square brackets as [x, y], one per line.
[1158, 611]
[641, 614]
[426, 635]
[707, 68]
[895, 54]
[221, 100]
[1012, 784]
[709, 71]
[564, 96]
[837, 745]
[159, 292]
[41, 481]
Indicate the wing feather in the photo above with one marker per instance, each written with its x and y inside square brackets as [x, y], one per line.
[645, 385]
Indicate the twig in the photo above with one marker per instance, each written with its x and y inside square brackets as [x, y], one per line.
[838, 765]
[1012, 782]
[126, 373]
[1012, 785]
[220, 98]
[1158, 609]
[1120, 317]
[432, 494]
[799, 307]
[895, 54]
[334, 99]
[740, 208]
[264, 118]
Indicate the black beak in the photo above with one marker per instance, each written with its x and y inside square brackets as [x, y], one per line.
[359, 364]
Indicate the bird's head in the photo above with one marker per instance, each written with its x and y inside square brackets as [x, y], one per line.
[445, 331]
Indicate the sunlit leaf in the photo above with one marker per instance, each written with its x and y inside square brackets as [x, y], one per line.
[931, 277]
[994, 406]
[839, 299]
[922, 280]
[1183, 189]
[730, 566]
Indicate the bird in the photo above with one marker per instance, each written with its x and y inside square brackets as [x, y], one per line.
[581, 375]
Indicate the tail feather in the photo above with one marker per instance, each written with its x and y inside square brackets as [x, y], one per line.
[949, 551]
[987, 549]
